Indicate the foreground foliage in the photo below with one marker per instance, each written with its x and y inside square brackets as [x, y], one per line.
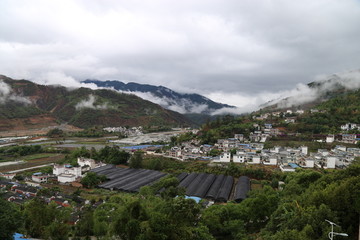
[160, 211]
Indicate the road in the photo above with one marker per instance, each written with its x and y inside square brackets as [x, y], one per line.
[29, 168]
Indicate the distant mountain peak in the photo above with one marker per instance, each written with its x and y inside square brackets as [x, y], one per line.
[167, 98]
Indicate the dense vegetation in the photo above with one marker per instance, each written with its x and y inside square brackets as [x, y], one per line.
[22, 150]
[111, 155]
[297, 212]
[224, 127]
[337, 111]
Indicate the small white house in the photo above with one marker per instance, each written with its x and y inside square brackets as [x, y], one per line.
[309, 163]
[330, 138]
[225, 157]
[239, 158]
[39, 177]
[86, 162]
[256, 159]
[323, 152]
[65, 178]
[304, 150]
[271, 160]
[340, 148]
[8, 175]
[331, 162]
[239, 137]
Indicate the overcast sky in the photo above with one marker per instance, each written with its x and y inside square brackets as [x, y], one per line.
[234, 51]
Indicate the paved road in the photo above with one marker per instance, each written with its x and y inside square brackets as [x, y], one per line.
[11, 163]
[29, 168]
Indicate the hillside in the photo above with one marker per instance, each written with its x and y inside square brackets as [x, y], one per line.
[181, 102]
[314, 93]
[25, 104]
[325, 118]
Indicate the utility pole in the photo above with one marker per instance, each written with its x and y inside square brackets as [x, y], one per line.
[332, 233]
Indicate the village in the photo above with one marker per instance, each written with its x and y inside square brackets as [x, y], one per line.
[239, 149]
[251, 150]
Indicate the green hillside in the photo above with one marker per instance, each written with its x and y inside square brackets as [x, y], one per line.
[83, 107]
[340, 109]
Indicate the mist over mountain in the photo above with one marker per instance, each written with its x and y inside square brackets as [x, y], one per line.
[323, 88]
[167, 98]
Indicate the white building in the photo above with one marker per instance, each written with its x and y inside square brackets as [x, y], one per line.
[239, 137]
[304, 150]
[330, 138]
[349, 126]
[225, 157]
[309, 163]
[256, 159]
[271, 160]
[323, 152]
[239, 157]
[331, 162]
[39, 177]
[66, 173]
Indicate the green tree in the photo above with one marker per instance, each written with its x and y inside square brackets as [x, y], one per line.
[91, 179]
[10, 219]
[56, 132]
[85, 226]
[136, 160]
[46, 221]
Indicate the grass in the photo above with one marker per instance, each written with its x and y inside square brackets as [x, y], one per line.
[38, 156]
[7, 159]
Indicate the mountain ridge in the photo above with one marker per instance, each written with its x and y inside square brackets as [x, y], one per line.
[82, 107]
[167, 98]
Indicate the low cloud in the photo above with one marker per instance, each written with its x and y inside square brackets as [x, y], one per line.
[323, 83]
[7, 94]
[90, 103]
[60, 78]
[181, 105]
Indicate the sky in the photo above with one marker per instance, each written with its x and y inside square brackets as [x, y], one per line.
[239, 52]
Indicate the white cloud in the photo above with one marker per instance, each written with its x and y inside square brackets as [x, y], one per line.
[203, 46]
[90, 103]
[59, 78]
[7, 94]
[181, 106]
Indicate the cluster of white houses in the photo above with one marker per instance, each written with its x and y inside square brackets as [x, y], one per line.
[286, 158]
[68, 173]
[129, 132]
[65, 173]
[350, 126]
[290, 158]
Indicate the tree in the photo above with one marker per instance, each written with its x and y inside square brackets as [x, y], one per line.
[10, 219]
[91, 179]
[46, 221]
[56, 132]
[85, 227]
[136, 160]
